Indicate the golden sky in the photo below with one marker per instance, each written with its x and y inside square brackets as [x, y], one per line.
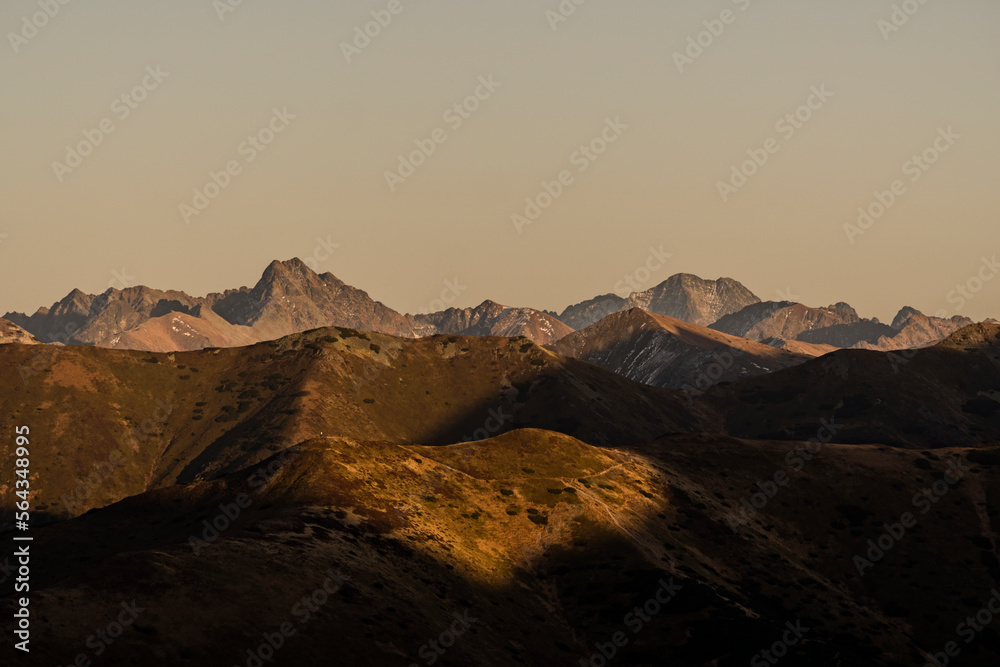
[613, 118]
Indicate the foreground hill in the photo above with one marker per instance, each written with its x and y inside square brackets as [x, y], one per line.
[530, 548]
[127, 422]
[141, 421]
[666, 352]
[11, 333]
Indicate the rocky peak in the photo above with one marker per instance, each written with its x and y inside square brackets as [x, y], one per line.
[692, 299]
[905, 316]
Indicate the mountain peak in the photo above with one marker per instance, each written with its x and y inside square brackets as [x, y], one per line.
[843, 307]
[680, 279]
[585, 313]
[687, 297]
[904, 316]
[287, 268]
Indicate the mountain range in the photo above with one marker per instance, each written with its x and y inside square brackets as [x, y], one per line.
[291, 298]
[682, 296]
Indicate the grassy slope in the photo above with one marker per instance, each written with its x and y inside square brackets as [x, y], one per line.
[164, 418]
[424, 532]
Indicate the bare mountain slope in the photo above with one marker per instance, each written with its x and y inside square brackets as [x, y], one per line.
[683, 296]
[783, 319]
[666, 352]
[177, 331]
[837, 326]
[492, 319]
[693, 299]
[582, 315]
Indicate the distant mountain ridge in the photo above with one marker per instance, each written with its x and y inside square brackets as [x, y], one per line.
[583, 314]
[692, 299]
[838, 326]
[683, 296]
[291, 298]
[492, 319]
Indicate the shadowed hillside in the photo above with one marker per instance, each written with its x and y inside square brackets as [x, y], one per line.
[126, 422]
[546, 546]
[940, 396]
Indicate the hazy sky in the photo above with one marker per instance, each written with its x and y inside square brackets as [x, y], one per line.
[554, 87]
